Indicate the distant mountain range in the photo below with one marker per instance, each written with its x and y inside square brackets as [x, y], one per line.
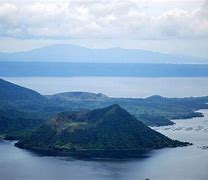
[70, 60]
[72, 53]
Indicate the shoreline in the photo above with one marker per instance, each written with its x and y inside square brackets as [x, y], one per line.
[99, 153]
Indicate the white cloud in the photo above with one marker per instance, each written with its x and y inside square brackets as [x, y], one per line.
[100, 19]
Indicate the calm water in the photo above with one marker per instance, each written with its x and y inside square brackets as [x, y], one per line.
[118, 87]
[186, 163]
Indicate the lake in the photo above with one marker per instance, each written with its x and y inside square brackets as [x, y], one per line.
[183, 163]
[117, 86]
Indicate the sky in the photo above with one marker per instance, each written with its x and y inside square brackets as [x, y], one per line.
[169, 26]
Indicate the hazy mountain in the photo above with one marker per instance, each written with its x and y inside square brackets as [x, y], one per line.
[73, 53]
[108, 129]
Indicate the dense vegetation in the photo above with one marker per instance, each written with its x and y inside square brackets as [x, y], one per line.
[111, 128]
[15, 124]
[22, 109]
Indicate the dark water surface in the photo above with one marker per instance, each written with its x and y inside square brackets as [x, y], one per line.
[186, 163]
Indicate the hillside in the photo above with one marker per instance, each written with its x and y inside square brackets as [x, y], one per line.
[14, 123]
[13, 92]
[21, 109]
[153, 111]
[108, 130]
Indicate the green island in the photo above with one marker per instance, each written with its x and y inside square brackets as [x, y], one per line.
[107, 132]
